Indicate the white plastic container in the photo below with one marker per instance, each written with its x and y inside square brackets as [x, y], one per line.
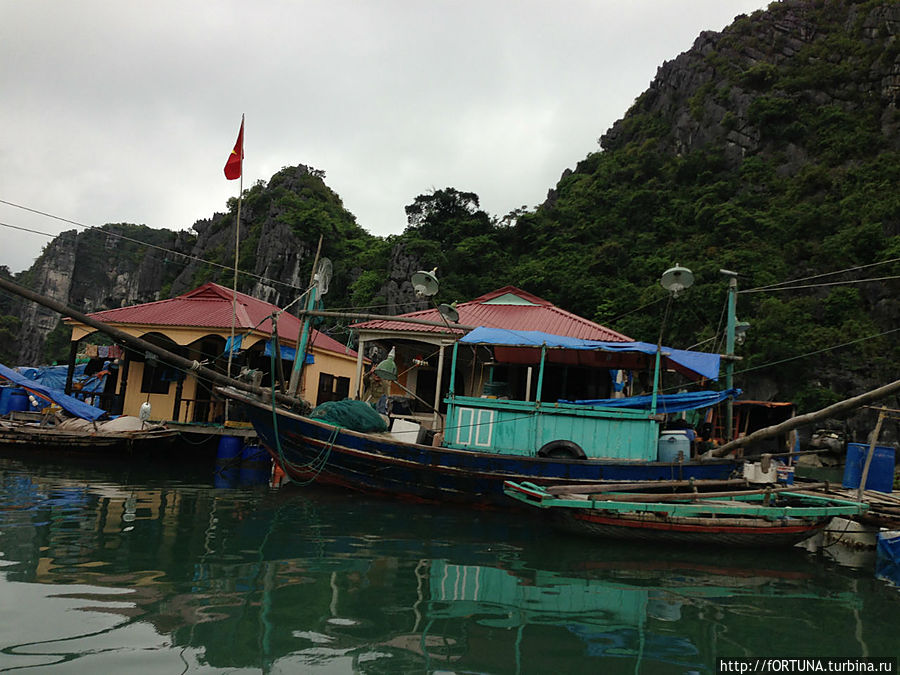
[674, 446]
[406, 431]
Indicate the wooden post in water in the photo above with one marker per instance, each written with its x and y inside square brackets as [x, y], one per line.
[869, 455]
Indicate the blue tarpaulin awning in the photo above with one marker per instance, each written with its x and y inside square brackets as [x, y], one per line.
[68, 403]
[700, 363]
[287, 353]
[665, 403]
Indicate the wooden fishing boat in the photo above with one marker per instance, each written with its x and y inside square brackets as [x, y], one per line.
[487, 440]
[772, 517]
[37, 435]
[67, 423]
[312, 450]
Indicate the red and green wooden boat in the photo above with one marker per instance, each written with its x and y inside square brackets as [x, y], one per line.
[778, 516]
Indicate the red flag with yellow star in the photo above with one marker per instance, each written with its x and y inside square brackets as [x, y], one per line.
[236, 158]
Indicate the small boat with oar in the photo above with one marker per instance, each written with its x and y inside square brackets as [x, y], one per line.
[773, 516]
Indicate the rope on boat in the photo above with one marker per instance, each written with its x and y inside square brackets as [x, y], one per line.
[316, 465]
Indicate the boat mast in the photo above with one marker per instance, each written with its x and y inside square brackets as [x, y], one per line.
[729, 352]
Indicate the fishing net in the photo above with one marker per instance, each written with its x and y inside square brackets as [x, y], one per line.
[350, 414]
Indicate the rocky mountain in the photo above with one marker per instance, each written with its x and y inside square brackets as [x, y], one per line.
[770, 149]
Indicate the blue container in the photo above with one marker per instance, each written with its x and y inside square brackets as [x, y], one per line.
[256, 465]
[227, 479]
[674, 446]
[888, 546]
[228, 456]
[4, 400]
[881, 470]
[13, 398]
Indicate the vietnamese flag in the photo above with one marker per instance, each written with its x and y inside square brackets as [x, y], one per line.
[236, 158]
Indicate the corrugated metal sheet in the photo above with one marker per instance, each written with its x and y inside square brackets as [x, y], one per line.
[209, 306]
[537, 314]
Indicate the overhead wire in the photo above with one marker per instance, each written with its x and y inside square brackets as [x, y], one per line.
[132, 240]
[818, 351]
[776, 286]
[828, 283]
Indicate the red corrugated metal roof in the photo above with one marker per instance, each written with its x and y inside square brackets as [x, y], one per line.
[508, 307]
[328, 343]
[209, 306]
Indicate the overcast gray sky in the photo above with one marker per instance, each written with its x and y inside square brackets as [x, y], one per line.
[126, 111]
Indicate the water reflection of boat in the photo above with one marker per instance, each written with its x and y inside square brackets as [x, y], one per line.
[319, 578]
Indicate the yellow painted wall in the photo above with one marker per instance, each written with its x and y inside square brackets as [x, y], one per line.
[331, 363]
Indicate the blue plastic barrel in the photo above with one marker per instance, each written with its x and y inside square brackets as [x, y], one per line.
[881, 470]
[17, 400]
[4, 400]
[228, 461]
[256, 465]
[674, 446]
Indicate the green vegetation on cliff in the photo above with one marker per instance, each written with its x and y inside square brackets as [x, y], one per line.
[771, 149]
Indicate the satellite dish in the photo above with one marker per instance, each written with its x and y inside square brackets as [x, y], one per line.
[323, 275]
[449, 312]
[425, 283]
[676, 279]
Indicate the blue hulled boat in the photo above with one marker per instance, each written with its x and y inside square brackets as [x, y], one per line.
[486, 440]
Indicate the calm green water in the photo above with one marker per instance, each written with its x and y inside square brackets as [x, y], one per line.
[143, 570]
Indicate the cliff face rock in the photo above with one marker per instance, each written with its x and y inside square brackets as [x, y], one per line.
[120, 265]
[113, 266]
[707, 95]
[769, 148]
[51, 275]
[398, 291]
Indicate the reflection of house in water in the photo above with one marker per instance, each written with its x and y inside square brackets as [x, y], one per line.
[197, 326]
[237, 579]
[610, 617]
[423, 359]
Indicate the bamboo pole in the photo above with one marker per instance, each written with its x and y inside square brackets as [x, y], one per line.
[357, 316]
[833, 410]
[869, 455]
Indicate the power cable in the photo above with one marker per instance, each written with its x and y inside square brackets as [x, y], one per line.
[123, 237]
[827, 283]
[818, 276]
[818, 351]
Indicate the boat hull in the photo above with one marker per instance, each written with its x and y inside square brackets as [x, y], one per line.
[647, 527]
[309, 450]
[766, 517]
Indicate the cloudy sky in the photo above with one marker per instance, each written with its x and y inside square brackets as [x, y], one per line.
[126, 111]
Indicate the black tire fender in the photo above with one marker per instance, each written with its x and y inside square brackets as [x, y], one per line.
[562, 450]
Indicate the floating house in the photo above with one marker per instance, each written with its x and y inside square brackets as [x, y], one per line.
[423, 362]
[198, 325]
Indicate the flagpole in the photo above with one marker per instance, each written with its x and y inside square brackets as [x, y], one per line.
[237, 241]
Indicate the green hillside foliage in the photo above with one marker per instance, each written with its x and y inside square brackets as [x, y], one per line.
[820, 193]
[300, 200]
[791, 171]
